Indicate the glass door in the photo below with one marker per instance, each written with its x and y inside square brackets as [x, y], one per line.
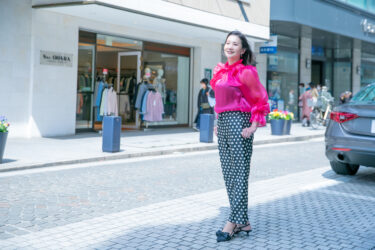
[128, 75]
[85, 83]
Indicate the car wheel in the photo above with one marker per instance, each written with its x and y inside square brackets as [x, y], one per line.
[344, 168]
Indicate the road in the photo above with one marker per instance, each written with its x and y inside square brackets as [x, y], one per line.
[36, 201]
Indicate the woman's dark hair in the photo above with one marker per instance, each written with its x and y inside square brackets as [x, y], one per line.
[312, 85]
[205, 81]
[247, 57]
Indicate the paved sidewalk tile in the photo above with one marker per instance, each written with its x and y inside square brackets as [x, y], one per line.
[308, 210]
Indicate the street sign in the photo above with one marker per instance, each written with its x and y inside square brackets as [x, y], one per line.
[269, 47]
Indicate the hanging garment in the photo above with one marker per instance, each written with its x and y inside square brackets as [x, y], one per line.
[112, 108]
[79, 103]
[143, 87]
[103, 103]
[127, 85]
[124, 106]
[144, 103]
[99, 100]
[155, 108]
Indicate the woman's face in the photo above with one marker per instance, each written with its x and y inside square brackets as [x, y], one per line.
[233, 48]
[203, 86]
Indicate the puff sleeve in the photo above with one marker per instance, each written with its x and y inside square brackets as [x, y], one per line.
[255, 94]
[216, 75]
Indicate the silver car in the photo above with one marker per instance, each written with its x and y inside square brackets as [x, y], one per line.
[350, 134]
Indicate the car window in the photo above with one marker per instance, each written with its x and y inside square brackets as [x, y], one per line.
[366, 94]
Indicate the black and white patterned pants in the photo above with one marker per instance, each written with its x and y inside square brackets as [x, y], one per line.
[235, 155]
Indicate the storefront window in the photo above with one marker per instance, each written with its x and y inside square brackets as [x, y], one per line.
[170, 76]
[342, 71]
[145, 83]
[367, 69]
[85, 81]
[368, 5]
[282, 80]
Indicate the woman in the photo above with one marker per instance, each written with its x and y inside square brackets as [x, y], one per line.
[241, 104]
[307, 100]
[203, 104]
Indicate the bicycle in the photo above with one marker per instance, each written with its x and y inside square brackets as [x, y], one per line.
[318, 117]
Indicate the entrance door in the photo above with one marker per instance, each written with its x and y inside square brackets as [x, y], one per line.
[85, 89]
[317, 72]
[128, 75]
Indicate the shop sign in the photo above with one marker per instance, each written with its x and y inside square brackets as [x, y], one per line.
[317, 51]
[367, 27]
[56, 58]
[269, 47]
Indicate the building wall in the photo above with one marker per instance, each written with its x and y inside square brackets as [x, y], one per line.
[15, 60]
[305, 55]
[258, 12]
[43, 97]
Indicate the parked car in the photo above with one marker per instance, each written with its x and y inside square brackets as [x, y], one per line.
[350, 134]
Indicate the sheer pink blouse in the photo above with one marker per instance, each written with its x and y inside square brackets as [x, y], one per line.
[237, 88]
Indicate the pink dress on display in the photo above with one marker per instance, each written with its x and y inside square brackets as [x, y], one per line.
[237, 88]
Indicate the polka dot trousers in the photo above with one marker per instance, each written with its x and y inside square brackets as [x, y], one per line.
[235, 154]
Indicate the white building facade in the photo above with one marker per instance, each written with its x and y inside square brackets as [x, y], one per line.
[54, 53]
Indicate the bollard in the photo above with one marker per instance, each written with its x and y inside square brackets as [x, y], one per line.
[111, 134]
[206, 128]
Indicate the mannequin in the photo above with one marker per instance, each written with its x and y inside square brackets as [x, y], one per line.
[159, 84]
[147, 74]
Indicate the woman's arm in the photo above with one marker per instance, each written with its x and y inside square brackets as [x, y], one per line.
[255, 93]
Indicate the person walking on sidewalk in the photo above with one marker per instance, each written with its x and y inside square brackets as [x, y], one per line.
[307, 100]
[203, 102]
[241, 104]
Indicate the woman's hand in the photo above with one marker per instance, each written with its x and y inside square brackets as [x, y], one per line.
[215, 129]
[247, 132]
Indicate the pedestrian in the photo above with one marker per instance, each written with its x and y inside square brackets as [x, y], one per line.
[204, 106]
[346, 97]
[308, 98]
[301, 90]
[241, 104]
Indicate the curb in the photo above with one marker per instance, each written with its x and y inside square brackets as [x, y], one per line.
[151, 153]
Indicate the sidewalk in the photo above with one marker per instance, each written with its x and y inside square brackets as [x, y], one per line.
[43, 152]
[314, 209]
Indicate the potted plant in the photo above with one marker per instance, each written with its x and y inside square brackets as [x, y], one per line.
[277, 120]
[281, 122]
[289, 117]
[4, 125]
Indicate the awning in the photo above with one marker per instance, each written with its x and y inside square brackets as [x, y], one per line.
[157, 15]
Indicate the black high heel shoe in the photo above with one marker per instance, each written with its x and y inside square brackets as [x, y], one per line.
[240, 229]
[225, 236]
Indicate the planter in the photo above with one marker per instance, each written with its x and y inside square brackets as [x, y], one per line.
[287, 127]
[277, 126]
[3, 140]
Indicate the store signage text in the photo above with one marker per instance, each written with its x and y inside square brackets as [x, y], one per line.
[368, 28]
[56, 58]
[269, 47]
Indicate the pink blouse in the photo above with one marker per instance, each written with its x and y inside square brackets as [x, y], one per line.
[237, 88]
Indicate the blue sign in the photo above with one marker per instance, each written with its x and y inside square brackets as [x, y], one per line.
[269, 47]
[268, 50]
[317, 51]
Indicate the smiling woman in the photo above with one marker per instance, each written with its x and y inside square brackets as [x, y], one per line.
[242, 104]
